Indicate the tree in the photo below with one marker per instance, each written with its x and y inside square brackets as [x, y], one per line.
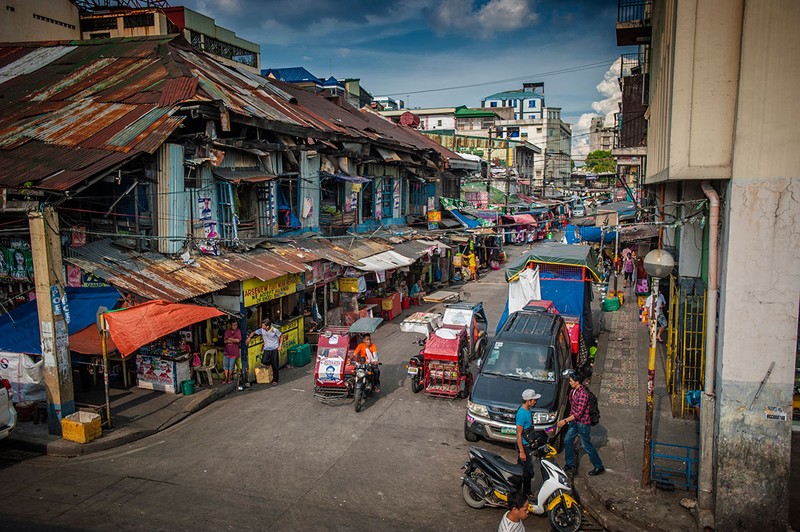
[600, 161]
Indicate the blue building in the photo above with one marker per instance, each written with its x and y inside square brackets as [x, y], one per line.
[527, 102]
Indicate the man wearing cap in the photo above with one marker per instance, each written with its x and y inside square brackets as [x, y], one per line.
[580, 424]
[525, 421]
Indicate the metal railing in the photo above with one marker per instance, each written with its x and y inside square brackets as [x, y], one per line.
[634, 10]
[629, 64]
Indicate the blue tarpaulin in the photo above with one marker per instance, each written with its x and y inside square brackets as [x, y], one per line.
[469, 223]
[19, 329]
[593, 234]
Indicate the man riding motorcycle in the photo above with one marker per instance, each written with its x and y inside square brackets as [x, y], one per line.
[368, 351]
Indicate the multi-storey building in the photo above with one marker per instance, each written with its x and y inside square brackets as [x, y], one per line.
[201, 31]
[601, 137]
[527, 103]
[722, 171]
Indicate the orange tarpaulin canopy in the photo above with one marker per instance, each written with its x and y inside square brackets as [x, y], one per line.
[87, 342]
[136, 326]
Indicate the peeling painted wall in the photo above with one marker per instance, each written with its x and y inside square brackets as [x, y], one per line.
[760, 290]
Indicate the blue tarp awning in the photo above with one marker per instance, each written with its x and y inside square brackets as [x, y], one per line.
[465, 221]
[19, 329]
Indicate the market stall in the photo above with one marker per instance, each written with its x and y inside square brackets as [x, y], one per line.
[146, 331]
[279, 299]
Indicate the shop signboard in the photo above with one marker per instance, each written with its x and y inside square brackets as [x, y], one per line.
[434, 217]
[257, 291]
[348, 284]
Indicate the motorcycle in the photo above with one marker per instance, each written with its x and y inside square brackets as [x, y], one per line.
[416, 367]
[489, 479]
[364, 384]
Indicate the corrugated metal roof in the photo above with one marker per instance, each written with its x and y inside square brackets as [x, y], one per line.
[155, 276]
[118, 95]
[149, 275]
[327, 251]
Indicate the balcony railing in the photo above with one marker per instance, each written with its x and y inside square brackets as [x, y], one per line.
[631, 130]
[633, 21]
[634, 10]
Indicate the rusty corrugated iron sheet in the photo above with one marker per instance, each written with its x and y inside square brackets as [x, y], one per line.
[327, 251]
[119, 95]
[156, 276]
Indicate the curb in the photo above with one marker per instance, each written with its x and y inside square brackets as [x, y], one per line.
[66, 449]
[599, 511]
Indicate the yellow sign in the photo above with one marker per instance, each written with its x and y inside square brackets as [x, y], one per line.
[348, 284]
[434, 216]
[257, 291]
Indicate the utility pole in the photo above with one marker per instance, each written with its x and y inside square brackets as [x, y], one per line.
[50, 302]
[489, 170]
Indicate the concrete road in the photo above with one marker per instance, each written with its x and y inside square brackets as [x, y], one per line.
[274, 459]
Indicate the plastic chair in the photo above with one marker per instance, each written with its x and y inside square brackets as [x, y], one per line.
[209, 365]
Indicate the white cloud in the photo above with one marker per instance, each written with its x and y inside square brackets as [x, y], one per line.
[494, 16]
[605, 107]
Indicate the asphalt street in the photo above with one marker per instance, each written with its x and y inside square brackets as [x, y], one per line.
[274, 458]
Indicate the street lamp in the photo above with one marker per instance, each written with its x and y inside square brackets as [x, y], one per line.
[658, 264]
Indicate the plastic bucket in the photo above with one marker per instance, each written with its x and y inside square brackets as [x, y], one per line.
[187, 387]
[406, 303]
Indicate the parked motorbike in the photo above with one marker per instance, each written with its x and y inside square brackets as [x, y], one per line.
[489, 479]
[415, 367]
[364, 384]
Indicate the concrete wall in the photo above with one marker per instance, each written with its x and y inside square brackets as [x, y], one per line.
[55, 20]
[760, 286]
[694, 75]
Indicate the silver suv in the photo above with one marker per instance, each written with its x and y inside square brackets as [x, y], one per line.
[8, 416]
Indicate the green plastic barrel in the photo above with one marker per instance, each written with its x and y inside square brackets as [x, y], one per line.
[187, 387]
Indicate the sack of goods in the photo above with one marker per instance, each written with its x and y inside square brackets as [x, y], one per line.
[263, 374]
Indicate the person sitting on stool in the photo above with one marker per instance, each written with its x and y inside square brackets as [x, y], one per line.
[417, 292]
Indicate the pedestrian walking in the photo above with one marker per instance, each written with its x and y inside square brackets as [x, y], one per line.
[634, 274]
[524, 421]
[628, 267]
[661, 319]
[580, 424]
[232, 340]
[517, 512]
[273, 341]
[531, 237]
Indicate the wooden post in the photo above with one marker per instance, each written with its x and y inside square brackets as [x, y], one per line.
[53, 333]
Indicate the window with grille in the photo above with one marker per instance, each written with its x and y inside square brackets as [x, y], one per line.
[367, 201]
[98, 24]
[142, 20]
[417, 198]
[387, 198]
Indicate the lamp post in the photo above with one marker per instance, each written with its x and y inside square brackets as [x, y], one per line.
[658, 264]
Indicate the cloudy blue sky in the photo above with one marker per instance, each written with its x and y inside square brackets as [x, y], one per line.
[404, 47]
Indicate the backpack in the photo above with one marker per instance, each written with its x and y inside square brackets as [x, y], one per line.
[594, 409]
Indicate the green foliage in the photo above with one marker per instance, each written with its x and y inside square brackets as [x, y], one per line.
[600, 161]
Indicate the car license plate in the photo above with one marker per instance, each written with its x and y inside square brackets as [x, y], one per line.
[413, 370]
[508, 430]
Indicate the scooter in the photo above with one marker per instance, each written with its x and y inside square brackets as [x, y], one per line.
[489, 479]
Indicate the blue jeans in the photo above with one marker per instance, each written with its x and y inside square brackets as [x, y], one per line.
[576, 429]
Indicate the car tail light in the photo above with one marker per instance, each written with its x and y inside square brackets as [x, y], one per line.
[7, 385]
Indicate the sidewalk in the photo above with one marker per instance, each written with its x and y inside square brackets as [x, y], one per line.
[616, 498]
[135, 414]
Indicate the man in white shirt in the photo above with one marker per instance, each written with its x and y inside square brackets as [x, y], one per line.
[517, 512]
[273, 341]
[661, 319]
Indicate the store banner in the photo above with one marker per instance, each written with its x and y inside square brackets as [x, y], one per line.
[257, 291]
[348, 284]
